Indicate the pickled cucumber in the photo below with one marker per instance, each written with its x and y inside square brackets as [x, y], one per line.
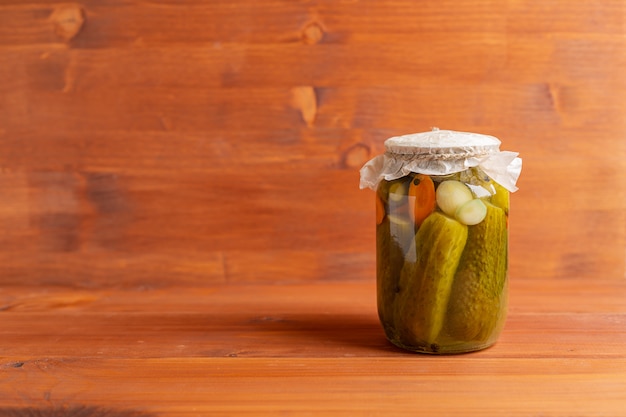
[501, 197]
[396, 205]
[426, 283]
[394, 191]
[479, 182]
[476, 303]
[389, 261]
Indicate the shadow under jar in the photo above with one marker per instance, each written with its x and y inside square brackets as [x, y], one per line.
[442, 207]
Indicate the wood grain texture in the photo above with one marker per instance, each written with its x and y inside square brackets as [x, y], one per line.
[314, 349]
[547, 319]
[388, 386]
[165, 143]
[182, 233]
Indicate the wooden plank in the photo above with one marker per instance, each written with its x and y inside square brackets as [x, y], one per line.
[334, 319]
[133, 226]
[350, 386]
[133, 23]
[270, 348]
[307, 348]
[209, 153]
[268, 334]
[348, 298]
[506, 105]
[440, 58]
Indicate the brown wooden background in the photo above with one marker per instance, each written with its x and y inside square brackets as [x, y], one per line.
[153, 143]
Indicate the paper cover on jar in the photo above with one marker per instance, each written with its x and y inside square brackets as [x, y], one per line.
[442, 152]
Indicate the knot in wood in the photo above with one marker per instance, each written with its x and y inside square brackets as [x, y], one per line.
[312, 33]
[356, 155]
[68, 21]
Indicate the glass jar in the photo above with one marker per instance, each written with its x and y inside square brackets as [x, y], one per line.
[442, 207]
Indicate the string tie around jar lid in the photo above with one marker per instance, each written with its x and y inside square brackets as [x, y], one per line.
[432, 156]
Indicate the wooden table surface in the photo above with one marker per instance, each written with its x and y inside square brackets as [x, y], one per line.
[302, 349]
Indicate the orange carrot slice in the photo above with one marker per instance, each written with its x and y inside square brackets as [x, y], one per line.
[421, 197]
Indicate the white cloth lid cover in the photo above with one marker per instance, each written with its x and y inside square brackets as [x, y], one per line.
[442, 152]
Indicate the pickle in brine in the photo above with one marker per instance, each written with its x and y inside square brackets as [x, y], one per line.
[394, 200]
[476, 303]
[425, 284]
[500, 198]
[389, 261]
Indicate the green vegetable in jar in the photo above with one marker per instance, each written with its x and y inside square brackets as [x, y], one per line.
[425, 284]
[476, 303]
